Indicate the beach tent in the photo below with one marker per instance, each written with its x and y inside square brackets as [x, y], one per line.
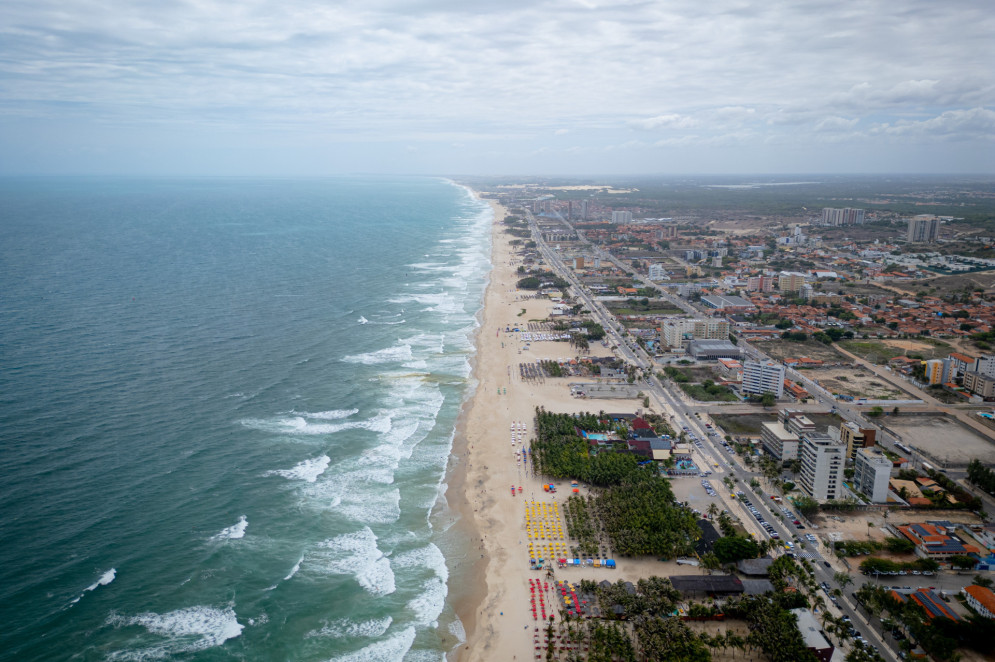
[610, 563]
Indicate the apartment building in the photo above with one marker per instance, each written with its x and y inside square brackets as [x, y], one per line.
[790, 281]
[780, 439]
[761, 377]
[674, 333]
[871, 472]
[979, 384]
[822, 461]
[923, 229]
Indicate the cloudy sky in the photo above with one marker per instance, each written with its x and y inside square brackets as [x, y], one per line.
[496, 86]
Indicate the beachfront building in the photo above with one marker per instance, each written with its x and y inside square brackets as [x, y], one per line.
[822, 461]
[674, 333]
[923, 229]
[812, 634]
[761, 377]
[981, 599]
[871, 472]
[780, 438]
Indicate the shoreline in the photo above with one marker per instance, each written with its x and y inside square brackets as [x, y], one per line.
[471, 572]
[492, 600]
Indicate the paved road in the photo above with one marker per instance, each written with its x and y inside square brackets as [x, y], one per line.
[710, 454]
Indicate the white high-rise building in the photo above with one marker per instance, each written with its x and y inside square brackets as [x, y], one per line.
[621, 217]
[923, 229]
[762, 377]
[871, 472]
[985, 365]
[822, 461]
[846, 216]
[658, 272]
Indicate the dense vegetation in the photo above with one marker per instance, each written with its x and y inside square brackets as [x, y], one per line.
[940, 637]
[537, 280]
[981, 476]
[635, 509]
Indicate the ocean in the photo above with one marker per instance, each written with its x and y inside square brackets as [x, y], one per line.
[226, 414]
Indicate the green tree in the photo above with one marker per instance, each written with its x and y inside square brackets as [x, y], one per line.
[768, 399]
[735, 548]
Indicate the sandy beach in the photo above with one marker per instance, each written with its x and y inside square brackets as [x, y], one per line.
[494, 600]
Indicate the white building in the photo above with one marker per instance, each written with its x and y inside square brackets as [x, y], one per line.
[822, 462]
[658, 272]
[985, 365]
[836, 217]
[675, 333]
[762, 377]
[923, 229]
[621, 217]
[871, 471]
[780, 439]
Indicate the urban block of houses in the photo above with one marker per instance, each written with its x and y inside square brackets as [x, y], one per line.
[934, 540]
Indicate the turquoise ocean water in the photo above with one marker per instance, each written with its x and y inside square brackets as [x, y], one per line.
[226, 411]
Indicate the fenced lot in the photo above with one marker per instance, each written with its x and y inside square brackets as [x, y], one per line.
[858, 383]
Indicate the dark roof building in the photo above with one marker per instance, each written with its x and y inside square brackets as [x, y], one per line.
[930, 601]
[707, 584]
[815, 641]
[708, 537]
[755, 567]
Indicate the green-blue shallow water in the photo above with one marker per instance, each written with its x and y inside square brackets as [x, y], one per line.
[226, 411]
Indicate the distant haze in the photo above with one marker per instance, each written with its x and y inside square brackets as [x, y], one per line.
[301, 87]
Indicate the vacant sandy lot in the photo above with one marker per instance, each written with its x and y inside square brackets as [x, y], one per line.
[943, 438]
[910, 345]
[859, 383]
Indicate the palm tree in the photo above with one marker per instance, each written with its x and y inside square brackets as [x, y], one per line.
[843, 579]
[710, 562]
[712, 510]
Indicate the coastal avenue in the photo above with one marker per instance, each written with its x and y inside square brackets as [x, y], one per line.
[670, 399]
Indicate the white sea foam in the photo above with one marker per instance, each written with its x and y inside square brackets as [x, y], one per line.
[355, 554]
[363, 320]
[457, 630]
[429, 556]
[429, 603]
[330, 415]
[387, 355]
[104, 580]
[345, 628]
[299, 425]
[233, 532]
[308, 470]
[185, 631]
[390, 649]
[293, 571]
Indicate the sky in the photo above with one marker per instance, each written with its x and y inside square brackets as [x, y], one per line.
[496, 87]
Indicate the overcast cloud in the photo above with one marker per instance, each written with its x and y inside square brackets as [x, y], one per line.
[504, 86]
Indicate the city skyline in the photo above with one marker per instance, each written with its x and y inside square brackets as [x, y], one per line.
[550, 87]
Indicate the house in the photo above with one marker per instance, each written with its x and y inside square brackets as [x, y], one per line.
[933, 541]
[815, 641]
[930, 601]
[981, 599]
